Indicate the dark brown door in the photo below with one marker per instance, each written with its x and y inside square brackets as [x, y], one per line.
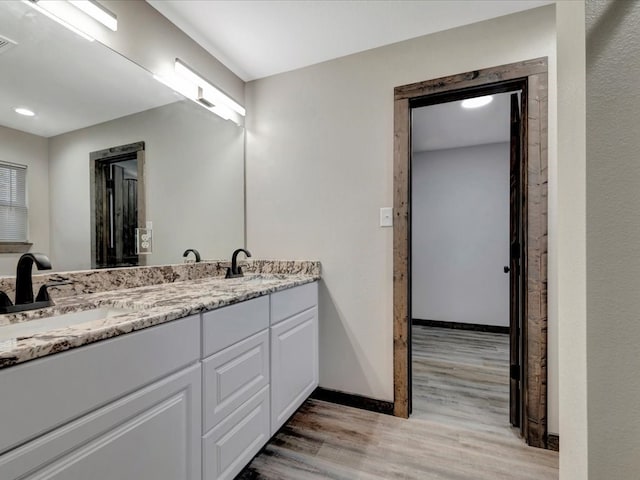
[515, 262]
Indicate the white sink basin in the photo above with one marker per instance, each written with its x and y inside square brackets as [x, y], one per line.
[31, 327]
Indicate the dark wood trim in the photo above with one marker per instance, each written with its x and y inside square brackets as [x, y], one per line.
[474, 327]
[553, 442]
[352, 400]
[114, 152]
[401, 259]
[533, 74]
[474, 78]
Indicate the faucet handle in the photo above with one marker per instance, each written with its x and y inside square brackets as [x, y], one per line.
[43, 294]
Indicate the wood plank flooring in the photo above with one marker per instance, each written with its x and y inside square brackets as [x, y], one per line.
[461, 377]
[327, 441]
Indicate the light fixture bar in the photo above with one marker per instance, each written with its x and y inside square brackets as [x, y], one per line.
[193, 93]
[44, 8]
[97, 12]
[210, 93]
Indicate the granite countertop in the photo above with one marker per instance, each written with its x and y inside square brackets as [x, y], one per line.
[144, 306]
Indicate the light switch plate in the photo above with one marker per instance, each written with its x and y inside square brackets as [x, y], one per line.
[386, 217]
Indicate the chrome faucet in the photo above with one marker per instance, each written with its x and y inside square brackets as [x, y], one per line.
[194, 251]
[236, 271]
[24, 286]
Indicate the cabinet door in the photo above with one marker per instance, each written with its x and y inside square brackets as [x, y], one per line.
[294, 364]
[152, 434]
[233, 442]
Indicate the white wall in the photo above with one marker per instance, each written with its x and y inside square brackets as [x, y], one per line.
[30, 150]
[613, 238]
[460, 234]
[320, 165]
[194, 183]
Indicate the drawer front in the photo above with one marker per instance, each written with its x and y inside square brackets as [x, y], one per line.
[67, 385]
[286, 303]
[294, 365]
[226, 326]
[152, 434]
[233, 376]
[231, 445]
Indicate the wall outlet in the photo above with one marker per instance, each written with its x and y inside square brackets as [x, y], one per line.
[386, 217]
[144, 241]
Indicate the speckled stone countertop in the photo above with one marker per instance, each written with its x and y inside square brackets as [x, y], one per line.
[144, 306]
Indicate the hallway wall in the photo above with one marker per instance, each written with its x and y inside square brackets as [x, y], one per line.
[460, 234]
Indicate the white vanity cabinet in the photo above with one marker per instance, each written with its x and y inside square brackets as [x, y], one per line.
[294, 350]
[235, 374]
[191, 399]
[95, 418]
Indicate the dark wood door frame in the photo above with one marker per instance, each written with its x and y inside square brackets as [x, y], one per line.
[532, 75]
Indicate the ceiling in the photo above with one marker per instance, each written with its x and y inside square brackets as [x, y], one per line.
[258, 38]
[68, 81]
[449, 125]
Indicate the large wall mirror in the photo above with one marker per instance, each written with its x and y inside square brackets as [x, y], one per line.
[92, 106]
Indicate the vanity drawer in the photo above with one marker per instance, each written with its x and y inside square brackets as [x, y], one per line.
[43, 394]
[234, 442]
[232, 376]
[226, 326]
[287, 303]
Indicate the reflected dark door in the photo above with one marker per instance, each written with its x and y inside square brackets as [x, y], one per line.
[515, 266]
[116, 216]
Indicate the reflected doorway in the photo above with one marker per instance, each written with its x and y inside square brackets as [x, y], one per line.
[117, 182]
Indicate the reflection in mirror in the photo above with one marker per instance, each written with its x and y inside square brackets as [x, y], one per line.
[88, 99]
[117, 207]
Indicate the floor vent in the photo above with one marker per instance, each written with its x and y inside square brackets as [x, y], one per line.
[6, 44]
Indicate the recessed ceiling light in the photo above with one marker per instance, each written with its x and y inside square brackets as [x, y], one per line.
[477, 102]
[24, 111]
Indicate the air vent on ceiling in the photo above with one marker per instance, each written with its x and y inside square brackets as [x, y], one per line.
[6, 44]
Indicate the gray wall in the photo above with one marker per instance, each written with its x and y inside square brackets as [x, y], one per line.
[613, 238]
[320, 165]
[194, 183]
[30, 150]
[460, 234]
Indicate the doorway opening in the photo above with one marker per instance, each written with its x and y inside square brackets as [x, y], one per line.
[460, 261]
[527, 229]
[117, 194]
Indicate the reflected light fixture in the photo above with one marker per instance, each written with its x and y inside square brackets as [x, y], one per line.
[97, 12]
[477, 102]
[207, 93]
[56, 11]
[24, 111]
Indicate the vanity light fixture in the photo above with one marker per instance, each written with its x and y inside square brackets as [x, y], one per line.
[477, 102]
[97, 12]
[207, 92]
[24, 111]
[56, 11]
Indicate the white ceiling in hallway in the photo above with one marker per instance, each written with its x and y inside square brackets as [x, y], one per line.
[258, 38]
[449, 125]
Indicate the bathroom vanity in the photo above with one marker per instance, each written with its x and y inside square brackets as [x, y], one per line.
[189, 382]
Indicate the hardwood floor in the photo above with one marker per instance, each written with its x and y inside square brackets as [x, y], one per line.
[461, 377]
[440, 442]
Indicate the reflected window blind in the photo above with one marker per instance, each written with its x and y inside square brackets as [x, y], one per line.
[13, 203]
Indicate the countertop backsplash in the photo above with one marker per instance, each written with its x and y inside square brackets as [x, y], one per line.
[108, 279]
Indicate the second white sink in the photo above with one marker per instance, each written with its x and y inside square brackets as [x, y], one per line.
[40, 325]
